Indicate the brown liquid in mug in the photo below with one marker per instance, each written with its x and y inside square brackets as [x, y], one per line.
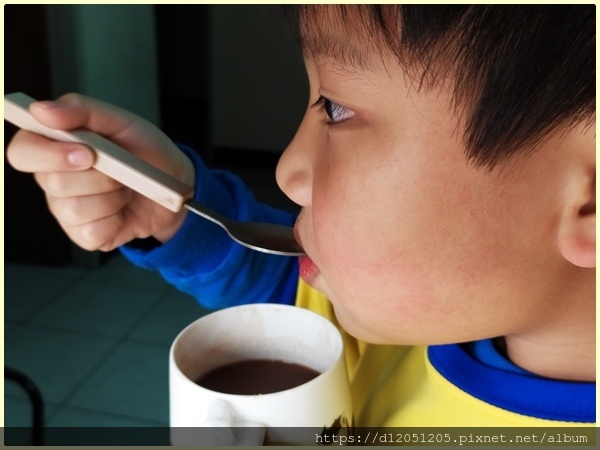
[256, 376]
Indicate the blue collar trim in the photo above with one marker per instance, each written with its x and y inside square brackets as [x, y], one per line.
[525, 394]
[486, 352]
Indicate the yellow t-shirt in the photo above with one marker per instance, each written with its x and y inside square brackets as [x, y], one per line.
[399, 386]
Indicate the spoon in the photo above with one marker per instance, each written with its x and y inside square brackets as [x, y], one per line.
[153, 183]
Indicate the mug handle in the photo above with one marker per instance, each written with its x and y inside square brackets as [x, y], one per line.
[221, 428]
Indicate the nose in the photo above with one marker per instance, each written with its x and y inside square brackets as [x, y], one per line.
[295, 167]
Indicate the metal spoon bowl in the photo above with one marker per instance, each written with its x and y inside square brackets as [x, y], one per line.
[153, 183]
[263, 237]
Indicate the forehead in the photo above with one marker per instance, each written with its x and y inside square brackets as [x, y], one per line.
[342, 33]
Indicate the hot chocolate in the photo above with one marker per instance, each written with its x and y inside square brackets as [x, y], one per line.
[256, 376]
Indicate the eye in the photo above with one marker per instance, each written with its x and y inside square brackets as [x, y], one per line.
[335, 113]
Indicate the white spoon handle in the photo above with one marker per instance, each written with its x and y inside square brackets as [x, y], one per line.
[111, 159]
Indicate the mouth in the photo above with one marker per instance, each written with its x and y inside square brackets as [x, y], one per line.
[308, 270]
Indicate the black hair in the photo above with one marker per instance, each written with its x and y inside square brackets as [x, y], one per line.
[521, 70]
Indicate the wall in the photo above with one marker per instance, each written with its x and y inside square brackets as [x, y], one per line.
[107, 52]
[31, 233]
[258, 86]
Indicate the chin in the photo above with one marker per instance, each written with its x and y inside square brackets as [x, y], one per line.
[366, 332]
[356, 329]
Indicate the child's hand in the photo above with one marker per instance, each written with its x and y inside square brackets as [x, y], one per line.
[95, 211]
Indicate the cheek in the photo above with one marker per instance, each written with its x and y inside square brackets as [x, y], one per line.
[397, 248]
[375, 268]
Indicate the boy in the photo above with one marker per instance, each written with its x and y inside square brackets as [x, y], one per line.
[446, 172]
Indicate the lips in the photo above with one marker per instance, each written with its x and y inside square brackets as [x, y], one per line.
[308, 269]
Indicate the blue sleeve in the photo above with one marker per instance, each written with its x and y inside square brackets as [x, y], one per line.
[203, 261]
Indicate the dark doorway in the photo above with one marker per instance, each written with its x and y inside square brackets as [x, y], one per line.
[31, 235]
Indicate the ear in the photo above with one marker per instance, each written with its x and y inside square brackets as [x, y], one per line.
[577, 232]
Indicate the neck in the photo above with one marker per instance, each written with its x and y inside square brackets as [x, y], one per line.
[562, 344]
[573, 361]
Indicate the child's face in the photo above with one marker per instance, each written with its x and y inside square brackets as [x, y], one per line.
[410, 242]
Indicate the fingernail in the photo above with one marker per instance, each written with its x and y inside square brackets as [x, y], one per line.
[79, 157]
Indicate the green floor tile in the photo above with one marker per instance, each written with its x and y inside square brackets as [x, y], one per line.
[133, 382]
[120, 271]
[68, 416]
[28, 287]
[103, 308]
[56, 361]
[174, 312]
[18, 412]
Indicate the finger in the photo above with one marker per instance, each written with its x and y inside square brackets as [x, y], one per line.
[77, 111]
[76, 184]
[76, 211]
[104, 234]
[118, 125]
[30, 152]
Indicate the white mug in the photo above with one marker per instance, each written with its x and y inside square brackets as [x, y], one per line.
[199, 416]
